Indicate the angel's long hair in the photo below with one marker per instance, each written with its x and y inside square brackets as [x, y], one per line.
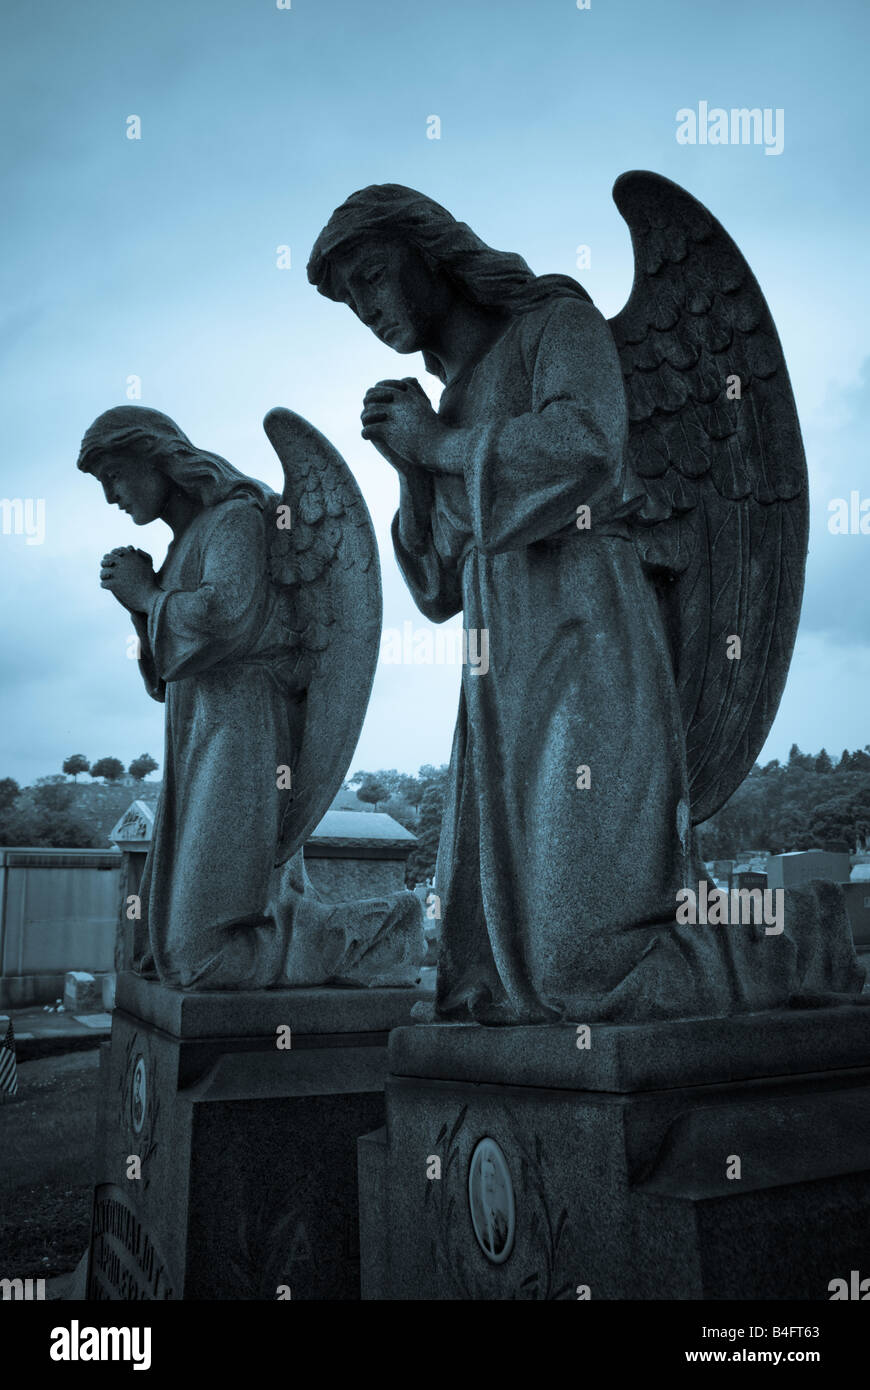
[492, 279]
[155, 440]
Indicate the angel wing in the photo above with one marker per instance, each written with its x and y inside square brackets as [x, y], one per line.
[715, 439]
[326, 563]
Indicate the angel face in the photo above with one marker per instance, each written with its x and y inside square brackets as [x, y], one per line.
[136, 486]
[394, 291]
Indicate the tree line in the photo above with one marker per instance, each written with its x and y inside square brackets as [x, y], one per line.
[808, 802]
[49, 814]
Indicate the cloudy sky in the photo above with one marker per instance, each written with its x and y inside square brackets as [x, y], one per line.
[157, 258]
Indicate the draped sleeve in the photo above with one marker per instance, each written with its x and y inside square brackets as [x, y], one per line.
[189, 630]
[526, 476]
[431, 572]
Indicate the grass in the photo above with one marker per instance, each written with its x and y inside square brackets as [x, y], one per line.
[47, 1165]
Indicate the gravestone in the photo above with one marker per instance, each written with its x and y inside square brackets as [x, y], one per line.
[226, 1166]
[803, 865]
[82, 992]
[686, 1159]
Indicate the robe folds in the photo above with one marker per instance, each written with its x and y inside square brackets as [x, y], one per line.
[566, 832]
[217, 911]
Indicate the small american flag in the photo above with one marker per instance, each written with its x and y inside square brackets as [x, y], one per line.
[8, 1064]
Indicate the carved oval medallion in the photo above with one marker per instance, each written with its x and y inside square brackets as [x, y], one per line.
[138, 1094]
[491, 1201]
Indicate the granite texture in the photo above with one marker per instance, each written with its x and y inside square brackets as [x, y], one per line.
[339, 879]
[374, 1215]
[257, 1013]
[260, 633]
[248, 1172]
[754, 1186]
[609, 518]
[639, 1057]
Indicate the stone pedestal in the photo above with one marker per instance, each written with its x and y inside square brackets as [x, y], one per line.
[694, 1159]
[226, 1163]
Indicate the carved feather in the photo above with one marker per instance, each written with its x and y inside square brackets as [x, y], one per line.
[725, 526]
[326, 566]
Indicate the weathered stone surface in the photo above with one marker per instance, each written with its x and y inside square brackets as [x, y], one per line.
[713, 1178]
[257, 1013]
[638, 1057]
[82, 992]
[352, 855]
[247, 1149]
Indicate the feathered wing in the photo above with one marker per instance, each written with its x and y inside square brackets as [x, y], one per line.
[326, 565]
[725, 524]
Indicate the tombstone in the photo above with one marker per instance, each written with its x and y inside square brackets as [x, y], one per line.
[690, 1159]
[744, 877]
[804, 865]
[83, 992]
[132, 836]
[243, 1110]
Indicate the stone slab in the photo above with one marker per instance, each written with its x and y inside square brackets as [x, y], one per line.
[639, 1057]
[257, 1013]
[247, 1183]
[82, 992]
[757, 1189]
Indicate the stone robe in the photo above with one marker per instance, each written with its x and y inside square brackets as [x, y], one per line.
[558, 898]
[218, 912]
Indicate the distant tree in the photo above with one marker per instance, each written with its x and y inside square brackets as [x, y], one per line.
[421, 861]
[111, 769]
[823, 762]
[141, 766]
[401, 810]
[75, 764]
[411, 789]
[9, 790]
[805, 841]
[845, 761]
[372, 789]
[45, 816]
[385, 777]
[798, 759]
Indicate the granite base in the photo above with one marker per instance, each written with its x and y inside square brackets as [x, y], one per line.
[689, 1159]
[227, 1163]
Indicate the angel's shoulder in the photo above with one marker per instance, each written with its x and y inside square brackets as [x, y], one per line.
[562, 322]
[236, 509]
[236, 521]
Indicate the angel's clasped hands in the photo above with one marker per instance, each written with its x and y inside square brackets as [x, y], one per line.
[128, 573]
[398, 418]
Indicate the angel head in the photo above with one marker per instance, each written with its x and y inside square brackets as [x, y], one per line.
[144, 460]
[401, 261]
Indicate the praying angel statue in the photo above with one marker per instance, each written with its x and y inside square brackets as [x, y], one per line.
[260, 633]
[622, 508]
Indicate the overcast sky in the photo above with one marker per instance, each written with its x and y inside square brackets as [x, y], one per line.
[157, 258]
